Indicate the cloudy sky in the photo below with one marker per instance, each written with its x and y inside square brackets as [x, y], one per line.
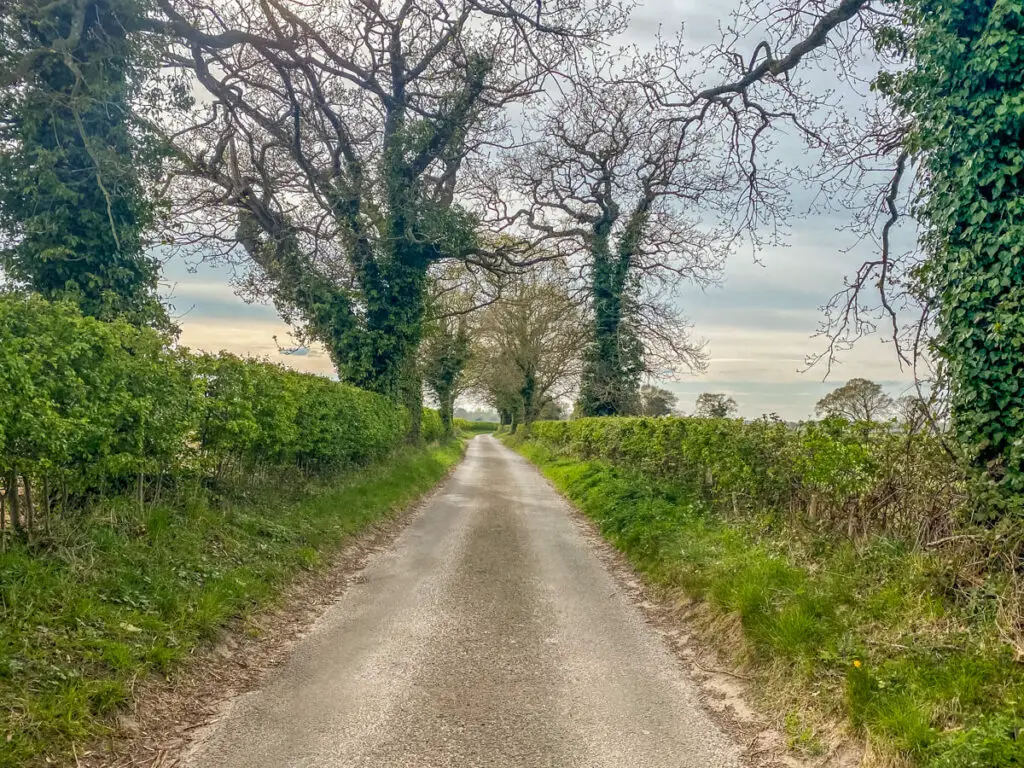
[759, 324]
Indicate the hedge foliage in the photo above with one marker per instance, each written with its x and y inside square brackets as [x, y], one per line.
[91, 405]
[476, 427]
[858, 477]
[431, 427]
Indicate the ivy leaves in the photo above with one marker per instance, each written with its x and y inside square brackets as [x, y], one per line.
[966, 92]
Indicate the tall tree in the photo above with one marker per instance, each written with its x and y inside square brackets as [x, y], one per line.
[72, 158]
[456, 297]
[965, 94]
[528, 346]
[335, 134]
[615, 183]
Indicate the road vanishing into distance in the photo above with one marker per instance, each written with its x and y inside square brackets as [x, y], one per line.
[489, 634]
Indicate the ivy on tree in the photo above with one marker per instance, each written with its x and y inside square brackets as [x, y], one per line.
[72, 205]
[966, 92]
[341, 165]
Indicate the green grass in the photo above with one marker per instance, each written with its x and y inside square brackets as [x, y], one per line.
[872, 633]
[123, 594]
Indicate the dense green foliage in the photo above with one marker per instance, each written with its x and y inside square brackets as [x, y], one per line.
[966, 93]
[72, 210]
[903, 643]
[431, 426]
[91, 407]
[444, 353]
[128, 592]
[476, 427]
[853, 477]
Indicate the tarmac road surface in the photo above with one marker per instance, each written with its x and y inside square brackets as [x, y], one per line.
[489, 634]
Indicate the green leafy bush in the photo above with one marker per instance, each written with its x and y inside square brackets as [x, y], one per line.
[476, 427]
[93, 407]
[857, 477]
[431, 427]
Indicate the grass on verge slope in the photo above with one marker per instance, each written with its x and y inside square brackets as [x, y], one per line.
[123, 593]
[865, 633]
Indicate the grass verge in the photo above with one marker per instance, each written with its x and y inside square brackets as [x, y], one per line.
[871, 633]
[122, 594]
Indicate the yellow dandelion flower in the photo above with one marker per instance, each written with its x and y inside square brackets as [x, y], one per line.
[856, 663]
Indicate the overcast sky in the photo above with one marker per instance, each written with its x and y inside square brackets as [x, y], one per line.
[759, 324]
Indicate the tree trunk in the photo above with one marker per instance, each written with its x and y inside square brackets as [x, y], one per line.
[15, 505]
[29, 510]
[46, 504]
[447, 409]
[612, 369]
[412, 398]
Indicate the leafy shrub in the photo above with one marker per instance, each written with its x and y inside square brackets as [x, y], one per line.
[476, 427]
[431, 428]
[94, 406]
[857, 477]
[853, 626]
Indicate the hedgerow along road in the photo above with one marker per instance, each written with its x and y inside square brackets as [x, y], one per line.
[489, 634]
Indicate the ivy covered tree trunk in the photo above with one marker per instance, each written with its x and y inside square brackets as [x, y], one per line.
[411, 392]
[614, 361]
[445, 354]
[448, 415]
[374, 350]
[967, 94]
[71, 202]
[14, 500]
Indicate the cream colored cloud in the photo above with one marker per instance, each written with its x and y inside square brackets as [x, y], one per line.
[253, 338]
[748, 354]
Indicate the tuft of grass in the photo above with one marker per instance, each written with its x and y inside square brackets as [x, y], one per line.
[869, 632]
[801, 737]
[120, 594]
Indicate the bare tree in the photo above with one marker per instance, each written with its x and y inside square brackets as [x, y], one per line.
[616, 185]
[528, 346]
[766, 95]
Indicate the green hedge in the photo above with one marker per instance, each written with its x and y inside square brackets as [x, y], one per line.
[857, 477]
[476, 427]
[431, 428]
[87, 405]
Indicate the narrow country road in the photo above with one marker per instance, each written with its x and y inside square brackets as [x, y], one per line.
[490, 634]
